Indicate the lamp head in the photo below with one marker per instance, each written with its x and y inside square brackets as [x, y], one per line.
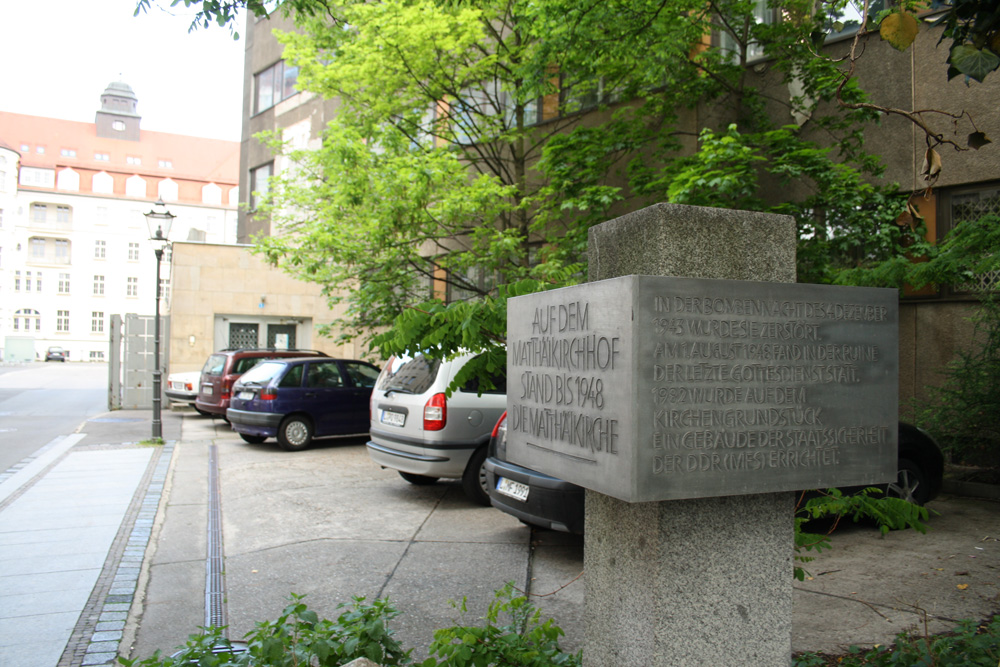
[159, 220]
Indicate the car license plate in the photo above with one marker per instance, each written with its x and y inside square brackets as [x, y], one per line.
[245, 396]
[391, 418]
[206, 389]
[509, 487]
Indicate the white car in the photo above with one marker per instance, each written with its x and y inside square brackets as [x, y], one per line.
[426, 435]
[183, 388]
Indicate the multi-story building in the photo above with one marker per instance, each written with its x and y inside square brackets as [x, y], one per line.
[74, 244]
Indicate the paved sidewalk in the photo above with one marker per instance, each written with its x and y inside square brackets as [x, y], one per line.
[75, 520]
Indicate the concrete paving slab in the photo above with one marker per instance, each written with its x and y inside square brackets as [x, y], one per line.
[36, 603]
[49, 627]
[173, 607]
[557, 583]
[432, 574]
[33, 653]
[43, 563]
[328, 572]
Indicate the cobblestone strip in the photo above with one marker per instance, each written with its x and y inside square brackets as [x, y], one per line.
[98, 633]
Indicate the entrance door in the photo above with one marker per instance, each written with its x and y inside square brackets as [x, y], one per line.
[281, 336]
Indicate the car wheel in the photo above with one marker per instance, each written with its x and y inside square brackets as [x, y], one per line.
[295, 433]
[419, 480]
[253, 439]
[474, 481]
[911, 483]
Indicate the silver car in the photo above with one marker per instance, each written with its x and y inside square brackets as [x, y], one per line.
[426, 435]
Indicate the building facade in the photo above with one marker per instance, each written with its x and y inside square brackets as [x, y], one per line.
[74, 244]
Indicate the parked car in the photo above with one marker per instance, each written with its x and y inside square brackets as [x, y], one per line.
[183, 388]
[224, 367]
[535, 498]
[425, 435]
[296, 399]
[540, 500]
[56, 354]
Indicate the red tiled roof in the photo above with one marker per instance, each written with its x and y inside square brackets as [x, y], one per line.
[192, 158]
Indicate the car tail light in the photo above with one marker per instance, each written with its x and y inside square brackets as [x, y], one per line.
[496, 428]
[435, 413]
[267, 396]
[189, 386]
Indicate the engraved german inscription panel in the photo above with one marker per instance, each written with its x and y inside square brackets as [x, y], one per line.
[652, 388]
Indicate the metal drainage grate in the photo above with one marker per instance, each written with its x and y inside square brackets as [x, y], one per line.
[215, 586]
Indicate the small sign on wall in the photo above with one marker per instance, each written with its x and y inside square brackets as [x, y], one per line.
[655, 388]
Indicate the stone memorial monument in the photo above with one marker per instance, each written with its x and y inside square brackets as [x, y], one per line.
[691, 387]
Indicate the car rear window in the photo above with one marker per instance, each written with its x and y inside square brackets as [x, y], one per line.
[263, 372]
[409, 375]
[214, 365]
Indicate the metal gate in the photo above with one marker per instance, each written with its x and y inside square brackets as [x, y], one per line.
[243, 335]
[131, 360]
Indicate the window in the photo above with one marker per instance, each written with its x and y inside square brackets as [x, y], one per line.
[166, 164]
[62, 251]
[133, 159]
[273, 85]
[68, 152]
[133, 251]
[97, 322]
[132, 286]
[29, 318]
[728, 42]
[62, 320]
[118, 126]
[45, 178]
[40, 150]
[27, 281]
[37, 248]
[165, 289]
[38, 212]
[97, 355]
[98, 285]
[967, 205]
[100, 248]
[17, 281]
[62, 213]
[38, 281]
[102, 157]
[63, 283]
[259, 178]
[102, 215]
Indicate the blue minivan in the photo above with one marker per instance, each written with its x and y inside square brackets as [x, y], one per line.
[298, 399]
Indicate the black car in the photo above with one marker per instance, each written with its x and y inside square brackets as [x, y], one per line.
[533, 497]
[297, 399]
[540, 500]
[56, 354]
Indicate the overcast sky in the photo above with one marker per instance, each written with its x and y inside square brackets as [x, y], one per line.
[58, 56]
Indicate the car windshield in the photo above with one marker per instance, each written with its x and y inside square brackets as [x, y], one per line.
[409, 375]
[263, 372]
[214, 365]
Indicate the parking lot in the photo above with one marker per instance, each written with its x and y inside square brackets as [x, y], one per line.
[329, 524]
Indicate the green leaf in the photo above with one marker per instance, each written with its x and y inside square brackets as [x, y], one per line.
[972, 62]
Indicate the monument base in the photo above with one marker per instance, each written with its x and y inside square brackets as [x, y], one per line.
[689, 582]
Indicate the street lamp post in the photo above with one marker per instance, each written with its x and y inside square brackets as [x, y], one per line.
[159, 220]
